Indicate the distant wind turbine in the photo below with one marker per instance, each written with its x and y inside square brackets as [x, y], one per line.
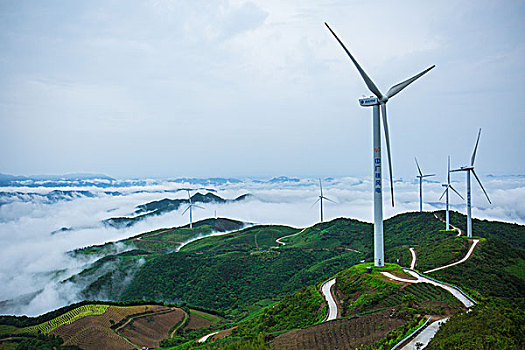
[470, 169]
[379, 102]
[447, 187]
[320, 199]
[421, 177]
[190, 208]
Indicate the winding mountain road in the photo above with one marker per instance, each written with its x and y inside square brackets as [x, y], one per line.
[278, 240]
[458, 294]
[326, 291]
[414, 258]
[465, 258]
[425, 335]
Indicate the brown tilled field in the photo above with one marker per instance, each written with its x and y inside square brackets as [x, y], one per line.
[149, 330]
[94, 332]
[197, 321]
[343, 334]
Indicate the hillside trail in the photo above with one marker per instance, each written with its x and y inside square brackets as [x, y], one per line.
[465, 258]
[454, 228]
[278, 240]
[180, 325]
[326, 291]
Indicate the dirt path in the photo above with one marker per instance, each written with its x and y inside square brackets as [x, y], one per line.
[465, 258]
[206, 337]
[326, 291]
[454, 228]
[278, 240]
[180, 325]
[414, 258]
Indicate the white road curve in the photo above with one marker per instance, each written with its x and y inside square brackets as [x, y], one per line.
[278, 240]
[413, 262]
[469, 253]
[421, 279]
[326, 290]
[206, 337]
[425, 335]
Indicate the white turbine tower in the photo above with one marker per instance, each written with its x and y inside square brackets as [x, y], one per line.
[320, 199]
[190, 208]
[470, 169]
[421, 177]
[376, 102]
[447, 187]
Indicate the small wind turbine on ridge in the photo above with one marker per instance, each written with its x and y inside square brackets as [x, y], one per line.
[421, 177]
[468, 170]
[447, 187]
[190, 208]
[320, 199]
[379, 102]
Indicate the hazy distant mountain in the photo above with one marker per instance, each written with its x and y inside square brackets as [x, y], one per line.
[166, 205]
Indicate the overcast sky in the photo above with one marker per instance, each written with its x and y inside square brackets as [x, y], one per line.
[204, 88]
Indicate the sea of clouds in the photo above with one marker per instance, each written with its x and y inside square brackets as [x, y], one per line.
[34, 257]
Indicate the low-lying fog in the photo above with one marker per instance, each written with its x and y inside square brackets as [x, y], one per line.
[33, 258]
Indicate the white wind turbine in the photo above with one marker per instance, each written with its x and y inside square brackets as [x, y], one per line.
[470, 169]
[447, 187]
[190, 208]
[320, 199]
[376, 102]
[421, 177]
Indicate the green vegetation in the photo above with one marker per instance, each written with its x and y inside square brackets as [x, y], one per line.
[502, 231]
[40, 342]
[489, 271]
[496, 324]
[365, 292]
[299, 310]
[67, 318]
[441, 253]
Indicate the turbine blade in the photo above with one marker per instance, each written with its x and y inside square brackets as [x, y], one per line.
[394, 90]
[418, 168]
[445, 191]
[429, 175]
[387, 139]
[371, 86]
[184, 212]
[475, 149]
[197, 206]
[455, 170]
[477, 178]
[328, 199]
[453, 189]
[317, 201]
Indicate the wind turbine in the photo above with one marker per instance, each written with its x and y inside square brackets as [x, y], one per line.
[421, 177]
[379, 102]
[470, 169]
[447, 187]
[320, 199]
[190, 207]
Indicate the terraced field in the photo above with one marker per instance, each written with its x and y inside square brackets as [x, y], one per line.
[149, 330]
[343, 334]
[67, 318]
[94, 331]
